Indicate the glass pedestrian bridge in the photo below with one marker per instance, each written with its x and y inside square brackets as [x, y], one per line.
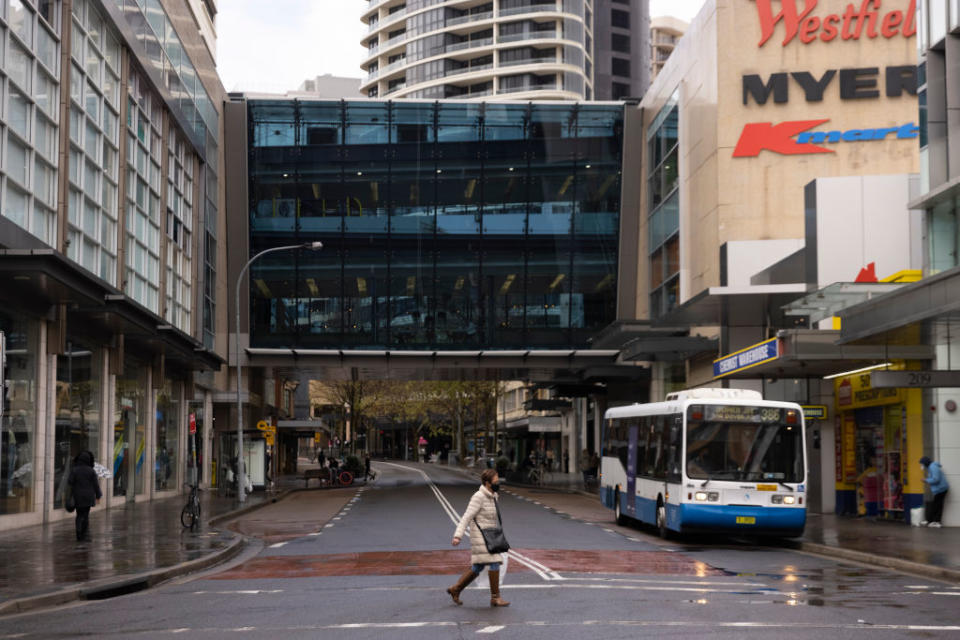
[446, 226]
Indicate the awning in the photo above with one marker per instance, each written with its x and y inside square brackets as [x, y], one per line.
[536, 424]
[735, 306]
[831, 300]
[802, 353]
[910, 314]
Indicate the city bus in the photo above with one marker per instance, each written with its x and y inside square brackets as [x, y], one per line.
[707, 460]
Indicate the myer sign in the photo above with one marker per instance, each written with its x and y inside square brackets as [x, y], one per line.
[747, 358]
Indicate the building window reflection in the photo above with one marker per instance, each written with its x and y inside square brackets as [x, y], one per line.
[77, 411]
[450, 226]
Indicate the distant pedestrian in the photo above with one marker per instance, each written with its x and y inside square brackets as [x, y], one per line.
[85, 486]
[585, 465]
[320, 457]
[938, 487]
[366, 466]
[483, 510]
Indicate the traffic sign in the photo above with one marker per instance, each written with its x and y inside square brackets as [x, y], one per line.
[270, 439]
[263, 425]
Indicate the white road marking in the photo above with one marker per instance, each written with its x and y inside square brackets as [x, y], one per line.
[315, 533]
[945, 593]
[277, 545]
[327, 526]
[705, 625]
[539, 569]
[336, 517]
[242, 592]
[491, 629]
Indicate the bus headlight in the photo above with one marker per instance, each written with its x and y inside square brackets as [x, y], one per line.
[789, 499]
[701, 496]
[704, 496]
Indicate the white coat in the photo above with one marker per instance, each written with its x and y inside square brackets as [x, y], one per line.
[482, 507]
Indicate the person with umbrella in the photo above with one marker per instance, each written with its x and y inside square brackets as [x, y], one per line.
[85, 484]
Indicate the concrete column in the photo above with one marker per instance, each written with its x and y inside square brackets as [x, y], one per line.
[105, 450]
[207, 437]
[43, 472]
[599, 406]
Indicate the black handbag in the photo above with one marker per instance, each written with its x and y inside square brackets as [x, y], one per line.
[493, 537]
[69, 503]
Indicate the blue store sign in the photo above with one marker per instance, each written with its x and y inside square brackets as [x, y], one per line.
[747, 358]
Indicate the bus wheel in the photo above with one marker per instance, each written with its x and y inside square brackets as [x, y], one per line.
[662, 519]
[620, 518]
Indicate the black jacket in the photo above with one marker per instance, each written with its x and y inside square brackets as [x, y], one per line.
[84, 482]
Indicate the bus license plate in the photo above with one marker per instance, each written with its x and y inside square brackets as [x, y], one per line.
[746, 520]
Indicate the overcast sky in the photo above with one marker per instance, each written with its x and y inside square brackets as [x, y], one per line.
[274, 45]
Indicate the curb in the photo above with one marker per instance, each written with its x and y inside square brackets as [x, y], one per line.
[862, 557]
[103, 589]
[125, 584]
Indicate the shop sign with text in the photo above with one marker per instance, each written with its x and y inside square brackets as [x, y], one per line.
[747, 358]
[801, 20]
[796, 138]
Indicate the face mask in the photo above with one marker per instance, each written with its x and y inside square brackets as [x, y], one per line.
[495, 487]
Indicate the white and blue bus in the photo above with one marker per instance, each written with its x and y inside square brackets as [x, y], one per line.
[707, 460]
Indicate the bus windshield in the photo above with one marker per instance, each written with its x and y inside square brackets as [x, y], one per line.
[744, 443]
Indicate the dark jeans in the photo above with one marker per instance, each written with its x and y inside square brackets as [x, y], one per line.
[935, 508]
[83, 522]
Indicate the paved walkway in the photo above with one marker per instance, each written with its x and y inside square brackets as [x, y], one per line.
[126, 542]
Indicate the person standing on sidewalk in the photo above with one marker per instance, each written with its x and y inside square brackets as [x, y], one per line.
[86, 491]
[938, 487]
[483, 509]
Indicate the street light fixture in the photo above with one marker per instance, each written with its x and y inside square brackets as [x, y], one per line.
[241, 484]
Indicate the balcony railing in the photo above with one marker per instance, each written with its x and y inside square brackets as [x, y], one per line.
[470, 69]
[534, 35]
[550, 86]
[475, 17]
[531, 60]
[373, 74]
[393, 66]
[472, 44]
[394, 40]
[533, 8]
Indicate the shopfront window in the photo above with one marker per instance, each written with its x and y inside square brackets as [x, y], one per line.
[129, 430]
[77, 413]
[168, 431]
[19, 423]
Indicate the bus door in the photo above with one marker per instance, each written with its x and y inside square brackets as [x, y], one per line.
[631, 506]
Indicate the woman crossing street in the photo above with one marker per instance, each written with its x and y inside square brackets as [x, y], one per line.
[483, 511]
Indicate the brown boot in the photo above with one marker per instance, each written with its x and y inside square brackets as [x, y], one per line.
[495, 599]
[454, 591]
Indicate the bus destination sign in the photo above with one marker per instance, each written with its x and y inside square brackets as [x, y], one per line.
[739, 413]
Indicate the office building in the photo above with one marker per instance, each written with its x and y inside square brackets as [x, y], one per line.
[111, 247]
[521, 49]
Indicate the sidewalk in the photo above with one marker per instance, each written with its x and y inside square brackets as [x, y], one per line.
[131, 548]
[933, 553]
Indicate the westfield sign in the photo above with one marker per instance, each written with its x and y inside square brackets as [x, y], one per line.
[868, 18]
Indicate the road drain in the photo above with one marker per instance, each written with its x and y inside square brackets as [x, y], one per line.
[114, 590]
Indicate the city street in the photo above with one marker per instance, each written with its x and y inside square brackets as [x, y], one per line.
[373, 562]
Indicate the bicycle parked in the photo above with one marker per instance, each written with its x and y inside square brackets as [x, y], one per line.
[190, 515]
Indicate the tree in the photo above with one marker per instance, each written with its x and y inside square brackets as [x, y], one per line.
[354, 398]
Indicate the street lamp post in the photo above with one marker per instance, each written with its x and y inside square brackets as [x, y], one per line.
[241, 484]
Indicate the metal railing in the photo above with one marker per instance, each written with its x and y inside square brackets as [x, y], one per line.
[474, 17]
[551, 86]
[471, 44]
[533, 35]
[514, 63]
[533, 8]
[462, 70]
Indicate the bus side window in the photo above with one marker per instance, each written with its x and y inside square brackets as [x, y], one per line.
[676, 446]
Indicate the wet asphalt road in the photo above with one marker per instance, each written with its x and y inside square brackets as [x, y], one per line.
[379, 567]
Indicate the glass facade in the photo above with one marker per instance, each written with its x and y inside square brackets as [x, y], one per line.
[168, 436]
[663, 205]
[94, 143]
[78, 411]
[129, 429]
[29, 114]
[18, 426]
[448, 226]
